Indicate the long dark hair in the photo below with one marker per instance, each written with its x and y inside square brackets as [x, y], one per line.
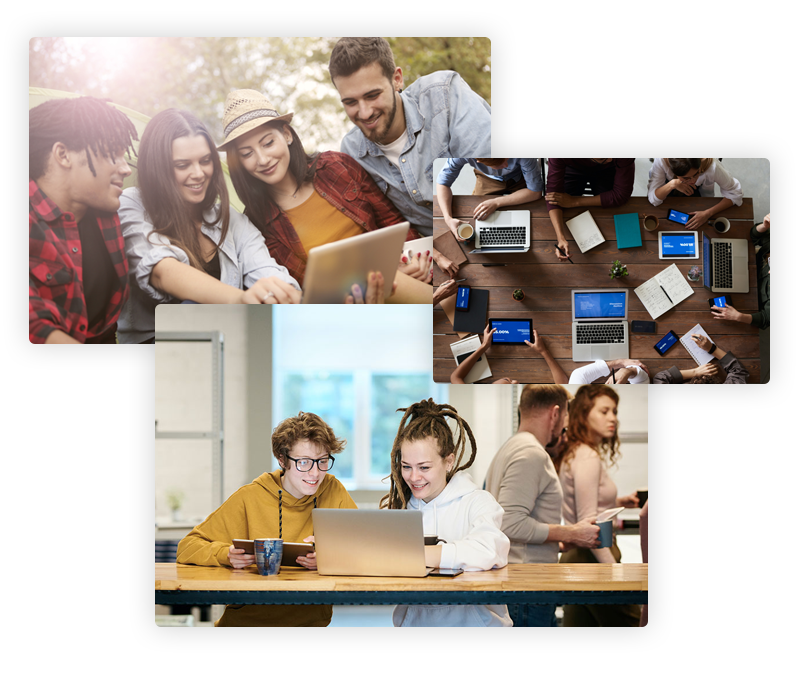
[256, 195]
[163, 202]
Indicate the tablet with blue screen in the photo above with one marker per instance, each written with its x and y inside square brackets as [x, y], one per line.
[678, 244]
[511, 331]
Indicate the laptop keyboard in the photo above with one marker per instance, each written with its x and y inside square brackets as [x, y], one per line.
[595, 333]
[498, 236]
[722, 265]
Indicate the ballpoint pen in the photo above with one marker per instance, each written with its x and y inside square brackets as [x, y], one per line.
[563, 252]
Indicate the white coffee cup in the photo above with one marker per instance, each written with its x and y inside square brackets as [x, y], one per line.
[721, 224]
[465, 231]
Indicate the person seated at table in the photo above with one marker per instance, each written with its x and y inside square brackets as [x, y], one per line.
[516, 180]
[301, 201]
[445, 290]
[78, 273]
[593, 448]
[540, 346]
[428, 474]
[275, 505]
[694, 176]
[609, 372]
[611, 181]
[761, 238]
[457, 377]
[725, 368]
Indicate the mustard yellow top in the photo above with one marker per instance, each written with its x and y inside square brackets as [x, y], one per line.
[317, 222]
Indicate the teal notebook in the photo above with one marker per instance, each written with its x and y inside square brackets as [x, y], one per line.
[627, 230]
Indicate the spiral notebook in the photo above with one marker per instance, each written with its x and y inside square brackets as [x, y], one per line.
[463, 349]
[699, 355]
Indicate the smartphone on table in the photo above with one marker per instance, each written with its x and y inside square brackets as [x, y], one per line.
[678, 217]
[666, 342]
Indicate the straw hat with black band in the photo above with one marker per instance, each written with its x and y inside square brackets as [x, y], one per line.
[244, 111]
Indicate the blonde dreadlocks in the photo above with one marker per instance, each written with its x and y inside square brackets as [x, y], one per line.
[426, 419]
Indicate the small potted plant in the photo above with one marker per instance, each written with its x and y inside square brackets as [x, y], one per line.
[518, 295]
[175, 499]
[618, 270]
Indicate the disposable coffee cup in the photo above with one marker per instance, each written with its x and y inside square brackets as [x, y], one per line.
[642, 497]
[465, 231]
[431, 539]
[605, 533]
[268, 556]
[650, 222]
[722, 225]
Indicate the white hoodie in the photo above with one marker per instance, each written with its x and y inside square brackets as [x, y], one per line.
[469, 520]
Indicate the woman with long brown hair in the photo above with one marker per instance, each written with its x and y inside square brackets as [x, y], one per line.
[183, 240]
[593, 447]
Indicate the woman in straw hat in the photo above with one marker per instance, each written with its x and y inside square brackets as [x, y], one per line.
[301, 201]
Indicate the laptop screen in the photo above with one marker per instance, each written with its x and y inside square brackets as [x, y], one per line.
[608, 305]
[708, 274]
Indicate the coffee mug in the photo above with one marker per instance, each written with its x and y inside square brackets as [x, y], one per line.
[465, 231]
[722, 225]
[650, 222]
[605, 533]
[268, 556]
[642, 497]
[431, 539]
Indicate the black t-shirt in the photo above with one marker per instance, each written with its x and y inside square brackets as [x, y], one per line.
[213, 267]
[99, 278]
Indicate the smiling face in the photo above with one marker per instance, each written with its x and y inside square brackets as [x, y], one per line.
[192, 167]
[296, 482]
[371, 102]
[265, 153]
[101, 191]
[423, 468]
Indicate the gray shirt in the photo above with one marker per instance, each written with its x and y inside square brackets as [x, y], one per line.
[244, 260]
[523, 480]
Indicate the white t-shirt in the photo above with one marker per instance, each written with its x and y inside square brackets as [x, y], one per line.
[392, 151]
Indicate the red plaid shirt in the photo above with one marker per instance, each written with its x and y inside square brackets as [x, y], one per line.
[55, 274]
[346, 186]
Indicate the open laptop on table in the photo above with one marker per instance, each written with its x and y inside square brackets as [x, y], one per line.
[726, 264]
[333, 268]
[504, 231]
[355, 542]
[600, 327]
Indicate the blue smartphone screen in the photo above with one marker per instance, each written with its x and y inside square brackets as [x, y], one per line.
[666, 343]
[720, 301]
[679, 217]
[463, 297]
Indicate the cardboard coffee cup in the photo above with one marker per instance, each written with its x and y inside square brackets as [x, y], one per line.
[268, 556]
[642, 497]
[431, 539]
[605, 533]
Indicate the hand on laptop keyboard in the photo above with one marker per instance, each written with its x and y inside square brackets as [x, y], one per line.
[486, 208]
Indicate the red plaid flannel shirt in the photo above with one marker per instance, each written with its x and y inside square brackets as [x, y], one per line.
[346, 186]
[55, 274]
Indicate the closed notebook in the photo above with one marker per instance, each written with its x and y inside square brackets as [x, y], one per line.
[627, 230]
[463, 349]
[474, 319]
[449, 247]
[585, 231]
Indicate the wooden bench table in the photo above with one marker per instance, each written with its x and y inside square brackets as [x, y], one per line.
[514, 584]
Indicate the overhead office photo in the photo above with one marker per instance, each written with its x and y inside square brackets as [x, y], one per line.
[576, 270]
[309, 472]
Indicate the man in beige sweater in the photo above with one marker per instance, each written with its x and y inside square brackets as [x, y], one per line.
[523, 479]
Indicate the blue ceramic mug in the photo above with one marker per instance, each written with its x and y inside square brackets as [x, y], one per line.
[268, 555]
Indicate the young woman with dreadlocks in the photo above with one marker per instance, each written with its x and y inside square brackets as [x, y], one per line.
[78, 273]
[428, 474]
[275, 505]
[183, 240]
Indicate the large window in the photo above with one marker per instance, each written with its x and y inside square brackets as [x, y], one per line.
[354, 382]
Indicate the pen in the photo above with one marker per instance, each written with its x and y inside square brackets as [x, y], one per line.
[563, 252]
[494, 265]
[666, 294]
[460, 280]
[613, 376]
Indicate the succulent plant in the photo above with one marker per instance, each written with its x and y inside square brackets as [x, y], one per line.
[618, 270]
[518, 295]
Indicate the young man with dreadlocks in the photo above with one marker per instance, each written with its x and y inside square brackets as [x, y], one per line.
[428, 474]
[78, 272]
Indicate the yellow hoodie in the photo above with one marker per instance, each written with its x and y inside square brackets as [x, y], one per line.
[253, 512]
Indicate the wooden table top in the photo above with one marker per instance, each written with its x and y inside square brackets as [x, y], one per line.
[547, 284]
[512, 578]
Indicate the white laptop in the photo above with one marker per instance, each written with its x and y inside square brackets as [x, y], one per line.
[600, 328]
[333, 268]
[360, 542]
[504, 232]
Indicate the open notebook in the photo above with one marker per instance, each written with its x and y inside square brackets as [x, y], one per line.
[463, 349]
[667, 289]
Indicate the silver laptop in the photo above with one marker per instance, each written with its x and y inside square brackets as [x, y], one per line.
[504, 232]
[600, 328]
[333, 268]
[383, 542]
[726, 264]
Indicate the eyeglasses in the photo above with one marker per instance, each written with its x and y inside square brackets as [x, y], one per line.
[305, 465]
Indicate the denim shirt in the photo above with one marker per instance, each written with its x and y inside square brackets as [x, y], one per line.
[244, 261]
[515, 169]
[443, 118]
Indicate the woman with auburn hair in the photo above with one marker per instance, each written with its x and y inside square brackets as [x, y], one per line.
[689, 176]
[593, 448]
[301, 201]
[428, 474]
[275, 505]
[183, 240]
